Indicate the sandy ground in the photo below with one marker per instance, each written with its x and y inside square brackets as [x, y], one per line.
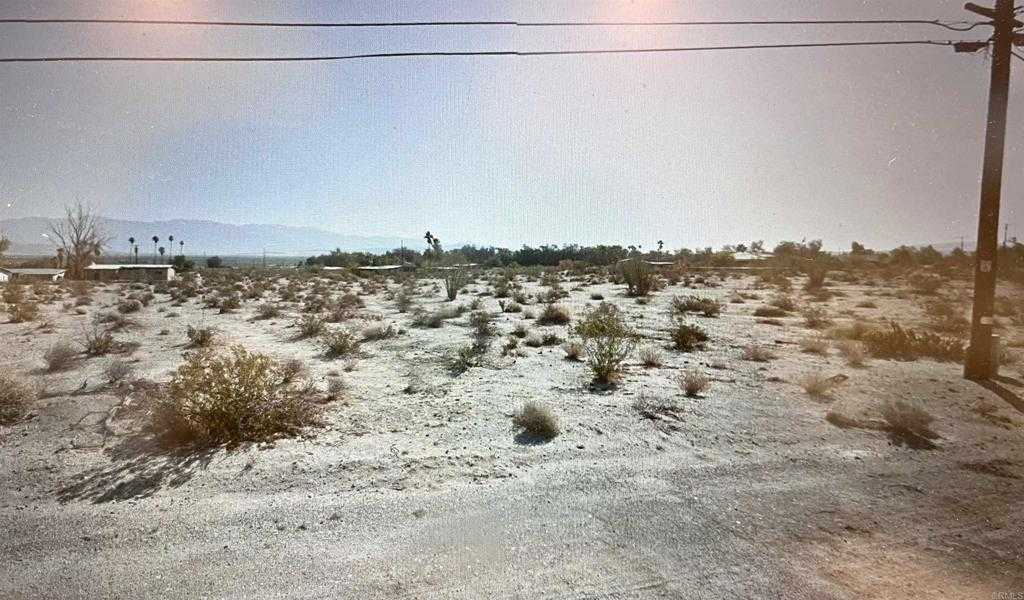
[745, 492]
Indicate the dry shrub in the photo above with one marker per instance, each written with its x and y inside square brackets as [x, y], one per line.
[23, 312]
[650, 356]
[854, 331]
[814, 345]
[339, 342]
[769, 311]
[607, 340]
[268, 310]
[292, 370]
[15, 396]
[230, 398]
[709, 307]
[118, 370]
[573, 350]
[536, 420]
[310, 326]
[853, 351]
[693, 382]
[898, 343]
[554, 314]
[98, 341]
[758, 353]
[908, 420]
[687, 337]
[816, 317]
[61, 355]
[379, 332]
[129, 305]
[783, 302]
[817, 384]
[925, 283]
[867, 304]
[200, 337]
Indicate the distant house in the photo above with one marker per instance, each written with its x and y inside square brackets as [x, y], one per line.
[129, 272]
[21, 275]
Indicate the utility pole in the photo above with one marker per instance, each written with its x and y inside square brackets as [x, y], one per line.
[979, 363]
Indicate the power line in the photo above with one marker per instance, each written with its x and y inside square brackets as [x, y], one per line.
[468, 53]
[953, 25]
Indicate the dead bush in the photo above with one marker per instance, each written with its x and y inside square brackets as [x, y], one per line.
[853, 351]
[650, 357]
[816, 317]
[339, 342]
[98, 341]
[268, 310]
[310, 326]
[769, 311]
[693, 382]
[554, 314]
[230, 398]
[817, 384]
[23, 312]
[908, 419]
[200, 337]
[709, 307]
[573, 350]
[898, 343]
[15, 396]
[379, 332]
[814, 345]
[536, 420]
[60, 356]
[758, 353]
[117, 370]
[687, 337]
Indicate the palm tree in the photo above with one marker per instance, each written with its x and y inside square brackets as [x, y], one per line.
[181, 245]
[162, 250]
[156, 240]
[131, 245]
[170, 239]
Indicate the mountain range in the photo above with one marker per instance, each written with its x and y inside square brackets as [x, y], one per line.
[204, 238]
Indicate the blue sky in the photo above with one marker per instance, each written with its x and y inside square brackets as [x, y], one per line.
[881, 145]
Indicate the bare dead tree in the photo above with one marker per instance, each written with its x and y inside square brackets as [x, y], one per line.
[81, 237]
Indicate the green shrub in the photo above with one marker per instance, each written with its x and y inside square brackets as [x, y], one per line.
[607, 341]
[239, 396]
[639, 278]
[455, 279]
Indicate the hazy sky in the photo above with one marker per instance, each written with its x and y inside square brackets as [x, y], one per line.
[882, 145]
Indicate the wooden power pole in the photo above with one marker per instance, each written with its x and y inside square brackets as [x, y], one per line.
[980, 363]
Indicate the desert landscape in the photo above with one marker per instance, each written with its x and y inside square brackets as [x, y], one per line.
[764, 433]
[479, 299]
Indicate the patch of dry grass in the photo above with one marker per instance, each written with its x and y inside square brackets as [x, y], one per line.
[536, 420]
